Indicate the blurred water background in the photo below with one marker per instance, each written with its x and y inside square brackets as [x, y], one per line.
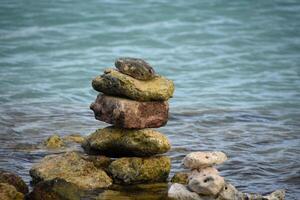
[235, 64]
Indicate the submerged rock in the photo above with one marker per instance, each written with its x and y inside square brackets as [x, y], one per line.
[137, 68]
[140, 170]
[72, 168]
[55, 189]
[155, 191]
[180, 192]
[115, 83]
[54, 141]
[77, 138]
[9, 192]
[206, 184]
[180, 177]
[115, 142]
[126, 113]
[229, 192]
[14, 180]
[198, 160]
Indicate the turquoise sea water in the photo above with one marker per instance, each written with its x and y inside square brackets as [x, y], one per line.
[235, 64]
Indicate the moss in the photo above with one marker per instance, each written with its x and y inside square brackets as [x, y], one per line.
[9, 192]
[55, 189]
[115, 142]
[72, 168]
[12, 179]
[54, 141]
[180, 177]
[115, 83]
[140, 170]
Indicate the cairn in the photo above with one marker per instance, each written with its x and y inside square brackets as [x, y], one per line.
[203, 182]
[133, 99]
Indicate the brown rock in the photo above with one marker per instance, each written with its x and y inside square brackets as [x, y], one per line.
[9, 192]
[12, 179]
[125, 113]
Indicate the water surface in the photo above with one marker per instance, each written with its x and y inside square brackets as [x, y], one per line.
[235, 65]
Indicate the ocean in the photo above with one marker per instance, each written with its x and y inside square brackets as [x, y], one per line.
[235, 65]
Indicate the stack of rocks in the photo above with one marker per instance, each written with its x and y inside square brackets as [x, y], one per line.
[203, 182]
[133, 100]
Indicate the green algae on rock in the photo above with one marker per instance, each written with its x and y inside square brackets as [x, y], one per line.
[135, 67]
[180, 177]
[115, 83]
[115, 142]
[54, 141]
[77, 138]
[9, 192]
[55, 189]
[140, 170]
[72, 168]
[14, 180]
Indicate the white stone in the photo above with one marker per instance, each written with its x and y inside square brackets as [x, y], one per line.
[180, 192]
[198, 160]
[206, 183]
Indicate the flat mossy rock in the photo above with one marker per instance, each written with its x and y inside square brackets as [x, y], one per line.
[72, 168]
[14, 180]
[115, 83]
[115, 142]
[140, 170]
[55, 189]
[127, 113]
[9, 192]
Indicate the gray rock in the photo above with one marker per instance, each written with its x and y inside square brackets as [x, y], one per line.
[180, 192]
[198, 160]
[137, 68]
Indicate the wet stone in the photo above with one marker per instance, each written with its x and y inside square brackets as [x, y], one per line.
[72, 168]
[140, 170]
[55, 189]
[14, 180]
[137, 68]
[126, 113]
[115, 142]
[115, 83]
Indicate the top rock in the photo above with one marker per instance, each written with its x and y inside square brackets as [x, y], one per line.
[136, 68]
[200, 160]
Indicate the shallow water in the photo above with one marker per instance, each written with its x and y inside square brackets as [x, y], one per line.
[235, 65]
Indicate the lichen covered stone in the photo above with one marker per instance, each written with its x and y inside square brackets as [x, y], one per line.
[14, 180]
[55, 189]
[72, 168]
[140, 170]
[126, 113]
[115, 142]
[116, 83]
[9, 192]
[135, 67]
